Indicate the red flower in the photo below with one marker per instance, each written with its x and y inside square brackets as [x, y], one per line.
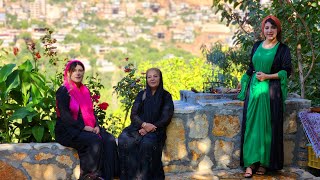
[126, 58]
[103, 106]
[127, 69]
[38, 55]
[15, 51]
[95, 98]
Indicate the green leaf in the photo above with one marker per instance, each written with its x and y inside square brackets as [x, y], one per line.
[236, 4]
[37, 79]
[27, 66]
[51, 125]
[12, 81]
[10, 106]
[35, 93]
[25, 86]
[5, 71]
[22, 113]
[37, 132]
[2, 89]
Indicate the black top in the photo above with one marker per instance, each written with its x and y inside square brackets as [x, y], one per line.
[149, 111]
[66, 127]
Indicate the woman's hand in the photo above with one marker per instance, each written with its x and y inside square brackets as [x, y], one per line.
[239, 87]
[261, 76]
[142, 132]
[88, 128]
[96, 130]
[149, 127]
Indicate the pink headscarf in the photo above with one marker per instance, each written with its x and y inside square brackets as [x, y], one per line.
[79, 97]
[275, 19]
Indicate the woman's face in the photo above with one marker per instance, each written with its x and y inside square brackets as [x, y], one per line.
[77, 74]
[270, 31]
[153, 79]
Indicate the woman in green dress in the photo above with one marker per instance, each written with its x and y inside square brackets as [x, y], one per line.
[264, 90]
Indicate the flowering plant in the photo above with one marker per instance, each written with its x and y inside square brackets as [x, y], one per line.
[128, 88]
[100, 108]
[110, 123]
[27, 96]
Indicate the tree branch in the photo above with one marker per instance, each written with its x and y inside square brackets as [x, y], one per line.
[308, 37]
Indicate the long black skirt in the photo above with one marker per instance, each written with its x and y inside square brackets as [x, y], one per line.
[98, 154]
[140, 156]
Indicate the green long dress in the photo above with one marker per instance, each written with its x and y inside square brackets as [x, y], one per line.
[258, 134]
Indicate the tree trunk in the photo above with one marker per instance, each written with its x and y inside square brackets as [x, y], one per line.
[300, 66]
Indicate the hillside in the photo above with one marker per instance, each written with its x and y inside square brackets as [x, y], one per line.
[165, 3]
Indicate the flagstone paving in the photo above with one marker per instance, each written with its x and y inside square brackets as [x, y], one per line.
[237, 174]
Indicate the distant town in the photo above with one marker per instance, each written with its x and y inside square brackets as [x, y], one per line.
[184, 24]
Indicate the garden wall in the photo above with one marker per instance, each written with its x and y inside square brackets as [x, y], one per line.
[204, 135]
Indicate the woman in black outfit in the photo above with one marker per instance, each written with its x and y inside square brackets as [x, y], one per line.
[78, 128]
[141, 143]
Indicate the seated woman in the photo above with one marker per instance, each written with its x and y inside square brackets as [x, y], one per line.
[141, 143]
[77, 127]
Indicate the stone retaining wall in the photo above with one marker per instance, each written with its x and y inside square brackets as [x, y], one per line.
[38, 161]
[204, 135]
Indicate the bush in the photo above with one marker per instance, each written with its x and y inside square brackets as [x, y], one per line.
[27, 98]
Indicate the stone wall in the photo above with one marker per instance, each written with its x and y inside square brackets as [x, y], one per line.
[204, 135]
[38, 161]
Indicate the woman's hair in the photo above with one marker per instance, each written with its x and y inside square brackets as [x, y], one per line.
[153, 69]
[70, 67]
[275, 22]
[271, 21]
[73, 65]
[160, 74]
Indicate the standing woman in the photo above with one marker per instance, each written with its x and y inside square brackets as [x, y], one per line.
[264, 90]
[77, 127]
[141, 143]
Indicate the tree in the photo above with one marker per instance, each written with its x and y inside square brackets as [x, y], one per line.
[300, 24]
[181, 74]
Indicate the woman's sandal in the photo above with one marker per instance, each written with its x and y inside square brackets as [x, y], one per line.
[248, 174]
[261, 170]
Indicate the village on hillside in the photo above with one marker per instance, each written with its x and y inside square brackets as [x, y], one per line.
[186, 24]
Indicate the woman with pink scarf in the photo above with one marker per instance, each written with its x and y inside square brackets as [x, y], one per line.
[77, 127]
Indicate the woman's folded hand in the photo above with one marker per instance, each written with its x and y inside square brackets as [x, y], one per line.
[150, 127]
[142, 132]
[88, 128]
